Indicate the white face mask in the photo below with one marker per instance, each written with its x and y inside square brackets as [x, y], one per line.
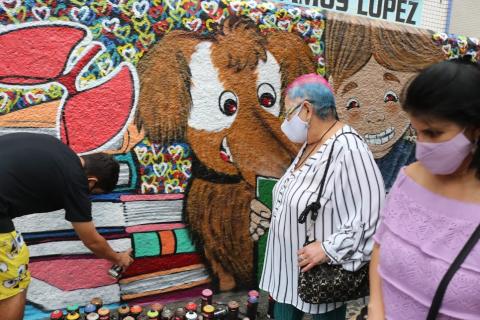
[296, 129]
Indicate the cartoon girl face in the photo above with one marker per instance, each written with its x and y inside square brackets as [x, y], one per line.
[369, 102]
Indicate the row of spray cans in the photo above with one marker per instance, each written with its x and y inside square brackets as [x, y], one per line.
[208, 309]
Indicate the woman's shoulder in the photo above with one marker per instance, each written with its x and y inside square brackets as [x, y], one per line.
[348, 139]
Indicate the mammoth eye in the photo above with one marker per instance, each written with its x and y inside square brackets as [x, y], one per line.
[266, 95]
[390, 96]
[352, 104]
[228, 103]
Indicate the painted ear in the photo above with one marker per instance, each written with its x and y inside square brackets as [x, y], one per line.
[293, 54]
[165, 81]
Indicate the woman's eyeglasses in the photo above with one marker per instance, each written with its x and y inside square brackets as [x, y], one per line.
[287, 114]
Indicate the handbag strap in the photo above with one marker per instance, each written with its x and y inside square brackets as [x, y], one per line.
[314, 207]
[442, 287]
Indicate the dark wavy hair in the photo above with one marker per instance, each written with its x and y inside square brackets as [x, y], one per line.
[449, 90]
[104, 167]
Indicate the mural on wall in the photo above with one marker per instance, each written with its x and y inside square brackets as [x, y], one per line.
[188, 95]
[222, 94]
[368, 63]
[36, 54]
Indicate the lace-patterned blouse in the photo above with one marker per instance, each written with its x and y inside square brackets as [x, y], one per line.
[420, 234]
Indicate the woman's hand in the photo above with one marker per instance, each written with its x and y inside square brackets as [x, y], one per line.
[311, 255]
[260, 216]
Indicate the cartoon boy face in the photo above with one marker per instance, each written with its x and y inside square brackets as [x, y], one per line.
[369, 102]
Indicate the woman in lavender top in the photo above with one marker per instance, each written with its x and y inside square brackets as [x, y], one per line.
[434, 205]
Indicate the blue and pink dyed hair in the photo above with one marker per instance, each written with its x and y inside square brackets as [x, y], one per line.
[316, 90]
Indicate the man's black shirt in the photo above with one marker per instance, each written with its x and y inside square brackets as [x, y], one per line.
[38, 173]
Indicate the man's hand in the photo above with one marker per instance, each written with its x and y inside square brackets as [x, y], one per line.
[124, 259]
[99, 246]
[311, 255]
[259, 219]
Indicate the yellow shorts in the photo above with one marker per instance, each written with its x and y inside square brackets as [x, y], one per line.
[14, 257]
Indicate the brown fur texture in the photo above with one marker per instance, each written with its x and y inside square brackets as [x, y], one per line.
[217, 203]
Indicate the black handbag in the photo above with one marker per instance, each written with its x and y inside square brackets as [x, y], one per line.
[327, 283]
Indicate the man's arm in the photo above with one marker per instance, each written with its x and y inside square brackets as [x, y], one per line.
[99, 246]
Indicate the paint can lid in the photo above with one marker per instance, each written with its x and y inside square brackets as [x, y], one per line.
[89, 308]
[233, 305]
[97, 301]
[191, 306]
[92, 316]
[103, 311]
[123, 309]
[57, 314]
[191, 315]
[136, 309]
[253, 293]
[72, 308]
[167, 313]
[207, 293]
[73, 316]
[180, 312]
[209, 309]
[152, 313]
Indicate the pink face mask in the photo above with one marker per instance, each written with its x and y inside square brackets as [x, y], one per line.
[444, 158]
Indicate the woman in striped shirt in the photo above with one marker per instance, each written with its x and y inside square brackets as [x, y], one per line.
[350, 202]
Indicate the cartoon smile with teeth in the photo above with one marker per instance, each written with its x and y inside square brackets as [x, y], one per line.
[368, 70]
[223, 95]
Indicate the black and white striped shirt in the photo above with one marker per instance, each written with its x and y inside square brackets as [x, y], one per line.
[351, 201]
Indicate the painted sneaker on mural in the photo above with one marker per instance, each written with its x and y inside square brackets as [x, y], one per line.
[88, 118]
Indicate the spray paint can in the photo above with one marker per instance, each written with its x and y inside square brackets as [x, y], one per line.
[233, 310]
[74, 308]
[104, 314]
[56, 315]
[254, 293]
[93, 316]
[89, 308]
[207, 298]
[97, 302]
[180, 313]
[191, 306]
[220, 312]
[123, 311]
[191, 315]
[135, 311]
[252, 306]
[73, 316]
[152, 314]
[208, 311]
[167, 314]
[115, 271]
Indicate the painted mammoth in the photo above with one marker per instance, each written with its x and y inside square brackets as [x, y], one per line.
[223, 95]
